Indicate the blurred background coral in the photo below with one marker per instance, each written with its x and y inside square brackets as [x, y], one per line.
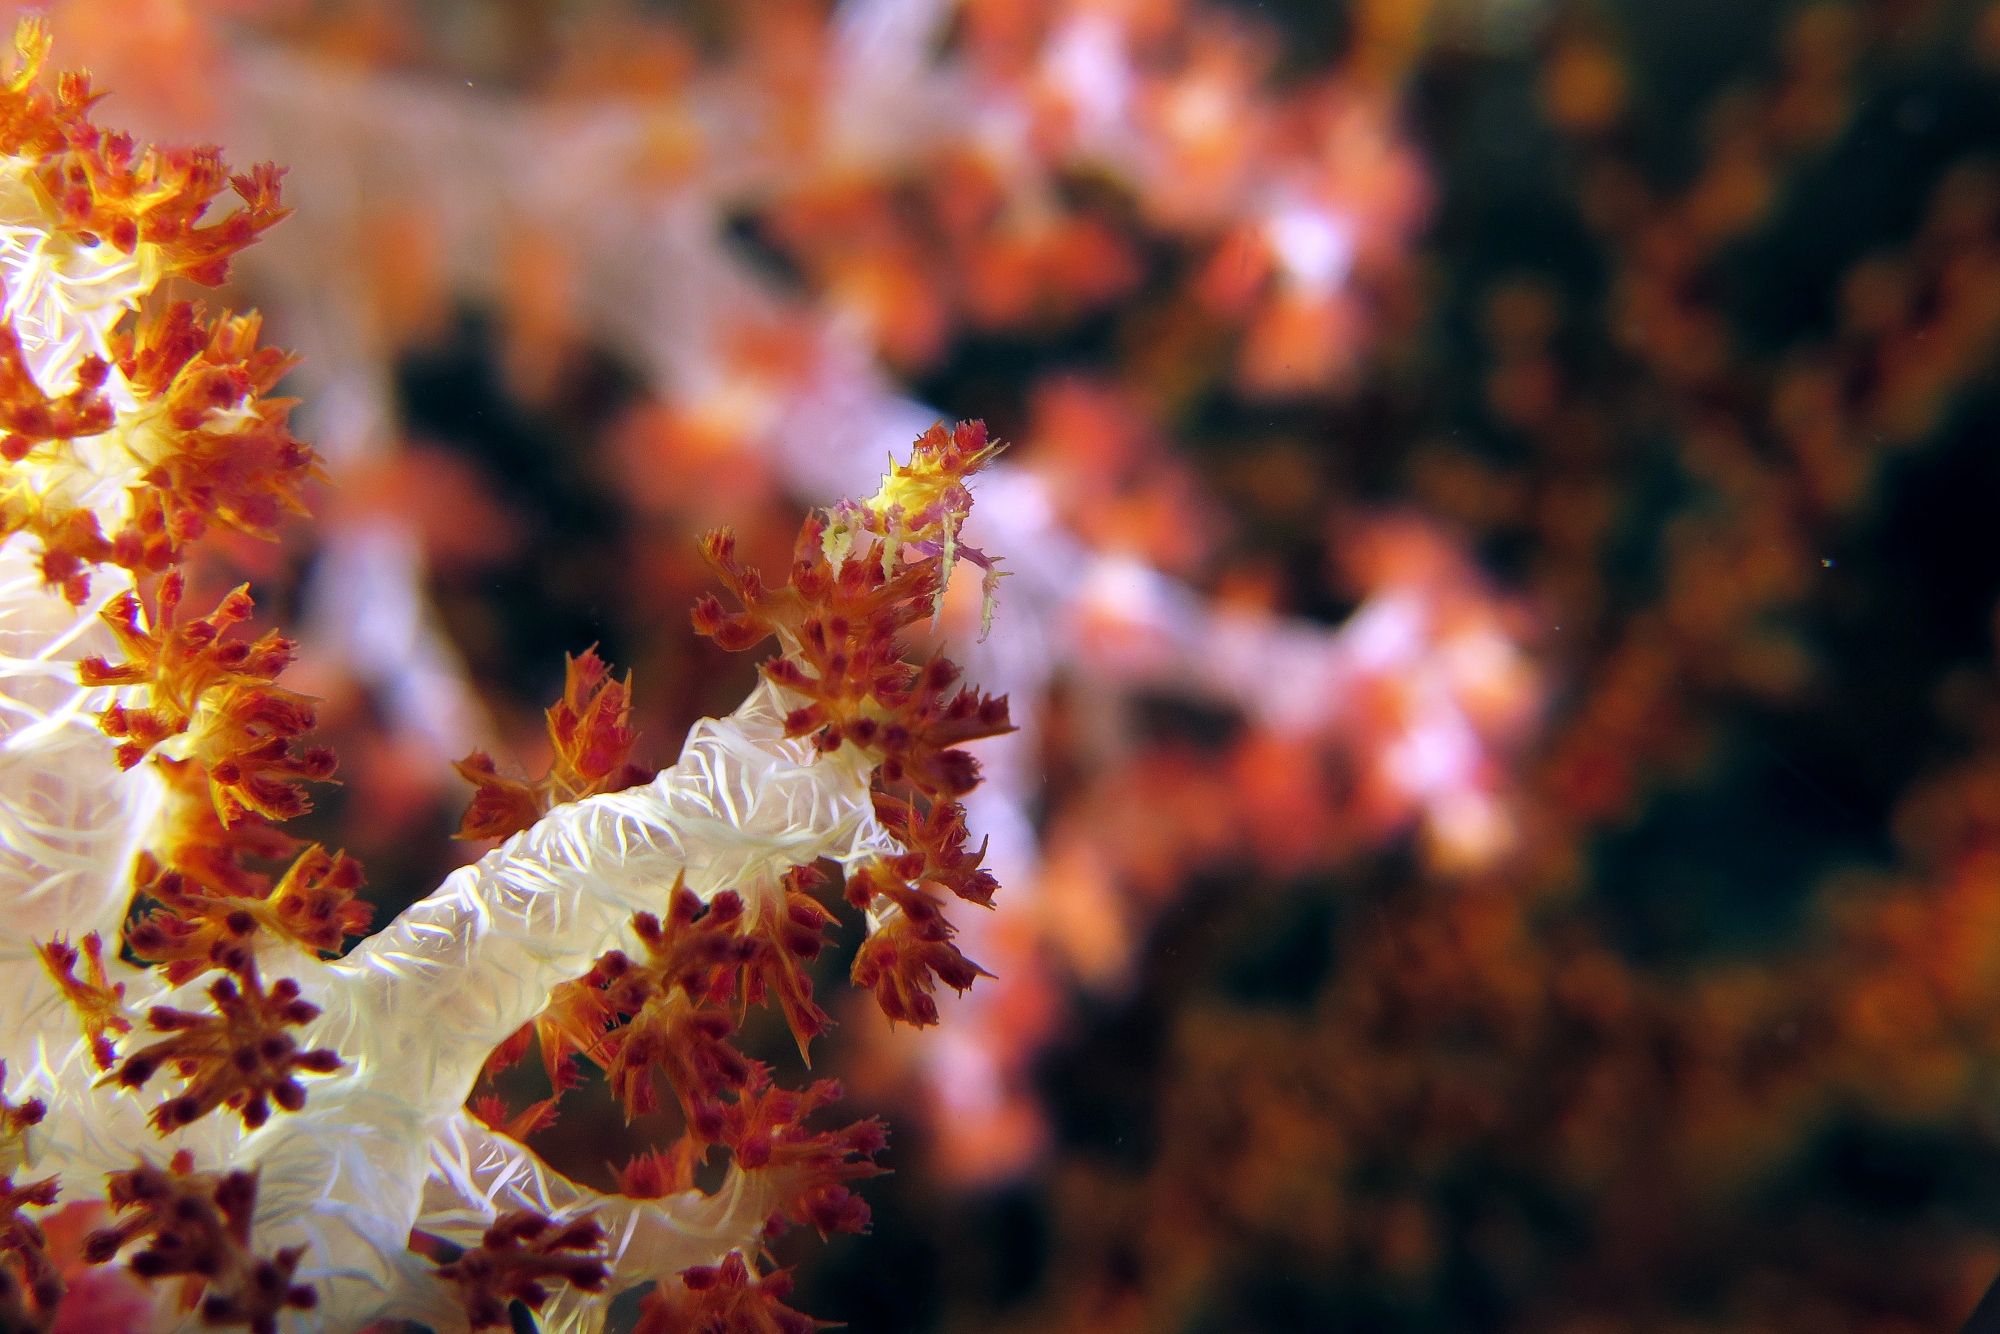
[1505, 833]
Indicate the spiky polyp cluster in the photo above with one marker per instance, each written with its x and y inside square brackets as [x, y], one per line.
[861, 575]
[591, 743]
[808, 1170]
[208, 712]
[674, 1012]
[727, 1299]
[198, 906]
[520, 1255]
[192, 930]
[121, 447]
[676, 1009]
[216, 696]
[196, 1226]
[671, 1015]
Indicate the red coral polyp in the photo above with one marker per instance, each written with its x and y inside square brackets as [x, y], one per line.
[808, 1170]
[240, 1057]
[520, 1255]
[726, 1298]
[909, 954]
[861, 574]
[197, 1228]
[218, 692]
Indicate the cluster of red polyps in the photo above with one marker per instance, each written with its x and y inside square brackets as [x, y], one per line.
[862, 574]
[838, 618]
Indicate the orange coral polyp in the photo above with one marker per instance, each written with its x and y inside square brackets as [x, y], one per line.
[105, 191]
[656, 1173]
[15, 1118]
[218, 693]
[910, 952]
[592, 743]
[31, 1286]
[839, 628]
[493, 1113]
[793, 927]
[32, 417]
[313, 907]
[936, 838]
[98, 1003]
[128, 471]
[211, 443]
[673, 1003]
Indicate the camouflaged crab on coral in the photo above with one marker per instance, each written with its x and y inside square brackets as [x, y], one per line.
[272, 1125]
